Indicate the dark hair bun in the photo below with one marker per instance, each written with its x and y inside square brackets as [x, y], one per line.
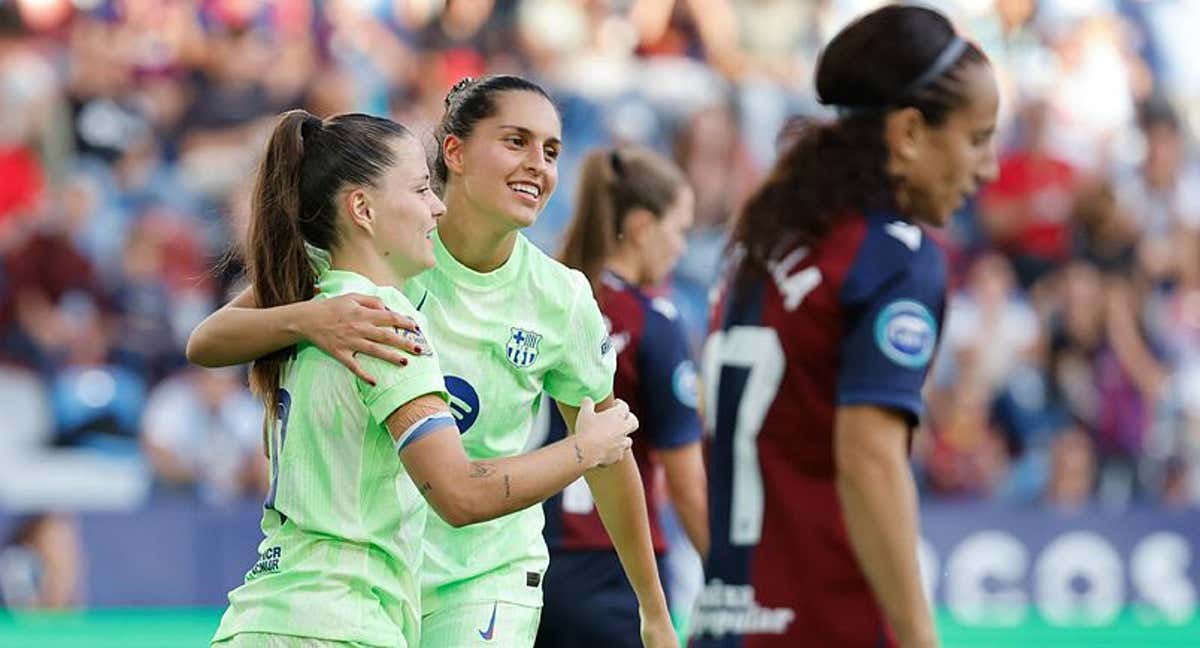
[458, 89]
[873, 60]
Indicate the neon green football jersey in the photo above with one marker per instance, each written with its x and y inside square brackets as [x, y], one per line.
[504, 337]
[343, 521]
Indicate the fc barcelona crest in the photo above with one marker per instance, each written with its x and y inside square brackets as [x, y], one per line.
[522, 347]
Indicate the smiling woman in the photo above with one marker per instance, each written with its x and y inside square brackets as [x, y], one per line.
[517, 323]
[343, 206]
[498, 145]
[510, 323]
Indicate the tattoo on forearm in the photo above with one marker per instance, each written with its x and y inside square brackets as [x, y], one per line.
[507, 487]
[578, 454]
[482, 469]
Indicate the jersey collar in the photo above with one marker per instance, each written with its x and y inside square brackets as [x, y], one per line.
[339, 282]
[461, 274]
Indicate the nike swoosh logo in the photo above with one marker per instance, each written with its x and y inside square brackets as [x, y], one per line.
[491, 629]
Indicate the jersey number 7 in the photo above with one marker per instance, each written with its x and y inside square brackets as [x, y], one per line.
[743, 366]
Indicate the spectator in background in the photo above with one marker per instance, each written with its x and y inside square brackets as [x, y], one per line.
[29, 102]
[1163, 196]
[990, 375]
[41, 564]
[231, 106]
[145, 340]
[202, 432]
[1092, 91]
[1025, 212]
[966, 455]
[1072, 471]
[1105, 236]
[45, 272]
[990, 329]
[95, 404]
[1104, 373]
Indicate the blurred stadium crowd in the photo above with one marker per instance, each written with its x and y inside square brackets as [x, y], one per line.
[1069, 372]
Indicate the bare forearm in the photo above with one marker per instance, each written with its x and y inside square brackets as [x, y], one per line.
[465, 492]
[693, 515]
[621, 502]
[688, 486]
[879, 504]
[236, 335]
[507, 485]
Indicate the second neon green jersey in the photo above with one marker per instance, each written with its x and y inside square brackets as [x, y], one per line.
[343, 522]
[504, 337]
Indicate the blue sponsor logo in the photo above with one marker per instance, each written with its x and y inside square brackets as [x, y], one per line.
[464, 403]
[906, 333]
[685, 384]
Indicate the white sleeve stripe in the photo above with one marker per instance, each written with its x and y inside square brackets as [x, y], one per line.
[423, 427]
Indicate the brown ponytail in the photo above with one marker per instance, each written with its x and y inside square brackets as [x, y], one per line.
[592, 234]
[612, 183]
[277, 264]
[307, 162]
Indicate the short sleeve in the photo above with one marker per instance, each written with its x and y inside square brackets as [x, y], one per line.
[669, 382]
[395, 385]
[891, 338]
[587, 362]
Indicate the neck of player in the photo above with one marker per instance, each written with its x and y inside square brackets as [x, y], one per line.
[472, 238]
[626, 264]
[358, 256]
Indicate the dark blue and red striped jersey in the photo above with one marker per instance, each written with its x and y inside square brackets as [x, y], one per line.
[853, 320]
[656, 376]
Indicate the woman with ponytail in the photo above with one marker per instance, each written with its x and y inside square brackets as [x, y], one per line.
[344, 206]
[632, 210]
[822, 338]
[512, 323]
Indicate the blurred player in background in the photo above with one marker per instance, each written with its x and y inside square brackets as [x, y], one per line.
[510, 323]
[822, 337]
[345, 205]
[632, 211]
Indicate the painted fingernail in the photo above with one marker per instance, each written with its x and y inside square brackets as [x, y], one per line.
[418, 349]
[403, 361]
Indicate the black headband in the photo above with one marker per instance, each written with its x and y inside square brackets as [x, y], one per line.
[944, 61]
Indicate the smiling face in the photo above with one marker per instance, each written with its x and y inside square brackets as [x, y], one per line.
[507, 167]
[404, 210]
[948, 163]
